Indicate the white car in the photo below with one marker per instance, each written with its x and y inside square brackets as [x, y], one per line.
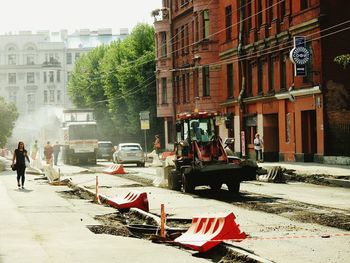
[129, 153]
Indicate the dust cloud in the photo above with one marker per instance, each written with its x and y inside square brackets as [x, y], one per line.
[43, 125]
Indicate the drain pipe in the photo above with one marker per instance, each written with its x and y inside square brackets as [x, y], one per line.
[241, 68]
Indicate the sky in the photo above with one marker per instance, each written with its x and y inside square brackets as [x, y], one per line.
[34, 15]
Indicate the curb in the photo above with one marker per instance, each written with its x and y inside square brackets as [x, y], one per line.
[337, 182]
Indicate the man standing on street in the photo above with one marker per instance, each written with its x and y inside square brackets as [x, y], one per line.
[56, 151]
[48, 150]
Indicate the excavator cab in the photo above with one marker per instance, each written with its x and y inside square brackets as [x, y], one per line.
[200, 157]
[198, 141]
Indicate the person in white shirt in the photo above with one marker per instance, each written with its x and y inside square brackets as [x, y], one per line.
[258, 146]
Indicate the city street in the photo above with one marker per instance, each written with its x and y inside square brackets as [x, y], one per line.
[43, 224]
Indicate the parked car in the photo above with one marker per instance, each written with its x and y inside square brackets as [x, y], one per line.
[129, 153]
[105, 150]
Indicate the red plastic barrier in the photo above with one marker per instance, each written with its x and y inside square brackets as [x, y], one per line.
[132, 199]
[115, 169]
[166, 154]
[207, 232]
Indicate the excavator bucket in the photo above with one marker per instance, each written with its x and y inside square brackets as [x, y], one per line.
[131, 199]
[115, 169]
[207, 232]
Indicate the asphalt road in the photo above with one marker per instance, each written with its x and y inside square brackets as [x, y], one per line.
[275, 233]
[45, 227]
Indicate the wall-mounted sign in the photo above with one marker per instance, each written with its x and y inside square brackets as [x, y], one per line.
[299, 56]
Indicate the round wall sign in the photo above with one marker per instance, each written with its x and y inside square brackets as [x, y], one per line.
[300, 55]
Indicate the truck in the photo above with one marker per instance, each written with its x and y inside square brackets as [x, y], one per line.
[201, 158]
[79, 136]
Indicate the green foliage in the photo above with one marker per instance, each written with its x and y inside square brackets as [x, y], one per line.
[343, 60]
[118, 81]
[8, 117]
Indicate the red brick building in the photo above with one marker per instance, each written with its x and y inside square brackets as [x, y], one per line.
[234, 57]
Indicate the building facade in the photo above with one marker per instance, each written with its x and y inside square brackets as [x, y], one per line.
[234, 57]
[35, 67]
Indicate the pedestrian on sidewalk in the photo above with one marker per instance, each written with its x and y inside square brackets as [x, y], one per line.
[48, 151]
[56, 151]
[19, 161]
[258, 146]
[34, 150]
[156, 144]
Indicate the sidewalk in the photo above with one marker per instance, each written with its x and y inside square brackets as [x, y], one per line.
[336, 171]
[337, 175]
[38, 225]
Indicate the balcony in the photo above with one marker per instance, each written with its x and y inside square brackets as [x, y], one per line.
[160, 15]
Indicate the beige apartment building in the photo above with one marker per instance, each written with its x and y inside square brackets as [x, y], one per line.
[35, 67]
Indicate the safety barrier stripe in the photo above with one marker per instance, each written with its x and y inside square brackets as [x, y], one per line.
[267, 238]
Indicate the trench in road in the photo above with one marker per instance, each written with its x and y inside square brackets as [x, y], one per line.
[294, 210]
[117, 224]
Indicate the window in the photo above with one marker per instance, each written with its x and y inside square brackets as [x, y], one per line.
[228, 22]
[69, 58]
[52, 96]
[164, 91]
[45, 96]
[30, 102]
[30, 59]
[30, 77]
[260, 76]
[12, 78]
[45, 76]
[304, 4]
[58, 75]
[206, 81]
[197, 29]
[51, 76]
[196, 82]
[69, 74]
[229, 75]
[188, 86]
[309, 76]
[164, 44]
[270, 11]
[12, 59]
[282, 8]
[249, 14]
[176, 44]
[283, 72]
[59, 96]
[259, 13]
[184, 99]
[182, 40]
[13, 97]
[51, 58]
[249, 80]
[187, 40]
[271, 75]
[206, 24]
[77, 55]
[177, 89]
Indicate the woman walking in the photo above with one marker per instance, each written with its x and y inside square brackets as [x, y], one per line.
[18, 159]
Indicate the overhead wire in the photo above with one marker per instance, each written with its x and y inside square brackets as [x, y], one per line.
[248, 56]
[270, 49]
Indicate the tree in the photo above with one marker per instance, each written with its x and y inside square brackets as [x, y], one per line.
[8, 117]
[118, 81]
[343, 60]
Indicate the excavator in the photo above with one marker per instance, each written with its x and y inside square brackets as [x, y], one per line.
[201, 157]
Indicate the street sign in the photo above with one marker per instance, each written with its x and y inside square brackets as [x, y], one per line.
[144, 115]
[144, 124]
[144, 118]
[299, 56]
